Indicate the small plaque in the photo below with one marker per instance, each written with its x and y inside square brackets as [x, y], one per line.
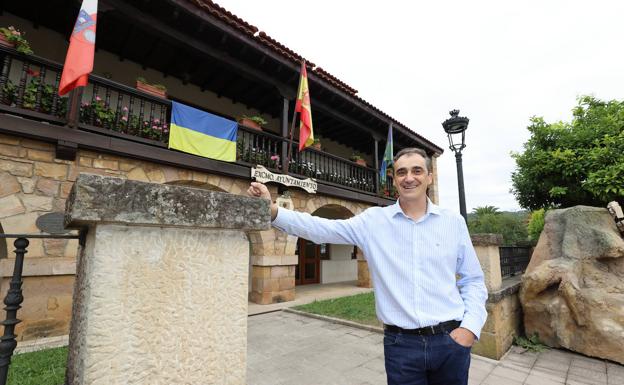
[52, 223]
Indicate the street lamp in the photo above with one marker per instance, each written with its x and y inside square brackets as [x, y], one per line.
[455, 127]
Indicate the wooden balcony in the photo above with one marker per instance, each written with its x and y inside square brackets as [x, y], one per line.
[29, 88]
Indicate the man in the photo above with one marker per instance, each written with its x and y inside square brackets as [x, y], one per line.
[429, 288]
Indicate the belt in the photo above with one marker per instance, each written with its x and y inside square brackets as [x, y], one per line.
[442, 327]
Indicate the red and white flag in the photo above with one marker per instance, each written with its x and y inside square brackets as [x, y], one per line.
[79, 60]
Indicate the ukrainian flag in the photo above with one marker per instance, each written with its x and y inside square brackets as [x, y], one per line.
[201, 133]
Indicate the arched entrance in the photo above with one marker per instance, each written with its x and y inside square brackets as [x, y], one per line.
[314, 257]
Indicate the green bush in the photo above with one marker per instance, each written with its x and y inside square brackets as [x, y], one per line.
[536, 225]
[510, 225]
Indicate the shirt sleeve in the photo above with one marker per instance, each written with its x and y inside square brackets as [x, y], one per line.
[321, 230]
[471, 284]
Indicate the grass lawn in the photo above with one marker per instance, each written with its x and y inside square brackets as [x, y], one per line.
[357, 308]
[45, 367]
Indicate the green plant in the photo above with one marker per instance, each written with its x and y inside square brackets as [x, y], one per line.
[355, 157]
[158, 86]
[259, 120]
[29, 97]
[16, 37]
[532, 343]
[580, 162]
[536, 225]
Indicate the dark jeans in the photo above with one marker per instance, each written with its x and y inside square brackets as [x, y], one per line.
[425, 360]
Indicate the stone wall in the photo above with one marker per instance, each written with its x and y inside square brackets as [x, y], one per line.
[504, 321]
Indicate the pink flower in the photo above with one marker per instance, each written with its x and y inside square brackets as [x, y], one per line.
[124, 118]
[156, 121]
[125, 109]
[275, 157]
[154, 127]
[97, 98]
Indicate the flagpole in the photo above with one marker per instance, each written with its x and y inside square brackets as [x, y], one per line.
[292, 128]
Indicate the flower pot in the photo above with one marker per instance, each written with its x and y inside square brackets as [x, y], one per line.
[316, 146]
[361, 162]
[150, 89]
[249, 124]
[5, 42]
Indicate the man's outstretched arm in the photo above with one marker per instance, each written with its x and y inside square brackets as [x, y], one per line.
[316, 229]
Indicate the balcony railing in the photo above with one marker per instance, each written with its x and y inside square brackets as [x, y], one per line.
[29, 87]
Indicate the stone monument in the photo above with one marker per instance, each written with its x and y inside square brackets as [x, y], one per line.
[161, 288]
[573, 289]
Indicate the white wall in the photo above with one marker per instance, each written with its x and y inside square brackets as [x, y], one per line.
[340, 267]
[338, 271]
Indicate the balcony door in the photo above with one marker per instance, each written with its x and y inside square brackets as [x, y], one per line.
[308, 270]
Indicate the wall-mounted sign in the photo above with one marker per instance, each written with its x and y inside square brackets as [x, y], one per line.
[52, 223]
[263, 175]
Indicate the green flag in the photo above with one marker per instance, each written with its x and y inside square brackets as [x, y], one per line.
[387, 157]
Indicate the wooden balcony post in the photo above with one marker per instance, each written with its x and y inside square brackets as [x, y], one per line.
[376, 152]
[284, 125]
[73, 110]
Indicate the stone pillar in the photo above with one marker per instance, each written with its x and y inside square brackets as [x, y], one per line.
[273, 271]
[161, 289]
[486, 246]
[364, 278]
[433, 188]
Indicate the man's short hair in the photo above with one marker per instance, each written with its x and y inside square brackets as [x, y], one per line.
[414, 150]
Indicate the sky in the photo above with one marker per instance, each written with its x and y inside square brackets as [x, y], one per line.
[498, 62]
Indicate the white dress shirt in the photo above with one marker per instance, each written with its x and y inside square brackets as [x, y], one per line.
[424, 272]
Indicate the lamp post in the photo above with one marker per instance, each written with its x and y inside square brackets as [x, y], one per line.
[455, 127]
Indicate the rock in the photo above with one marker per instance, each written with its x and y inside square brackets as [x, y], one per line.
[97, 198]
[573, 289]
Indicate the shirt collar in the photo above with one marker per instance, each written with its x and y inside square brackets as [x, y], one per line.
[431, 209]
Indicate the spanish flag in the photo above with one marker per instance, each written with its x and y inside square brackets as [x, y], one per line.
[306, 133]
[79, 59]
[201, 133]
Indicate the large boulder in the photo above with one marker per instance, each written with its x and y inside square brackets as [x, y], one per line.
[573, 289]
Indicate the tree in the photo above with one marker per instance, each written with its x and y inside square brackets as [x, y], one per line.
[568, 164]
[511, 225]
[485, 210]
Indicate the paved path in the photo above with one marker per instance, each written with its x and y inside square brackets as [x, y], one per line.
[287, 348]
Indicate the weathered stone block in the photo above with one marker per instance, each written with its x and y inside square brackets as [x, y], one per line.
[105, 163]
[9, 150]
[280, 271]
[364, 278]
[16, 168]
[65, 189]
[6, 139]
[165, 247]
[28, 184]
[49, 187]
[8, 184]
[95, 198]
[45, 156]
[51, 170]
[37, 145]
[37, 203]
[138, 173]
[10, 205]
[85, 161]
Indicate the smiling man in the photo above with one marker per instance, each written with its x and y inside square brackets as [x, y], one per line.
[429, 288]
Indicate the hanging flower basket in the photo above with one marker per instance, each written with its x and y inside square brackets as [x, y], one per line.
[151, 89]
[5, 42]
[249, 124]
